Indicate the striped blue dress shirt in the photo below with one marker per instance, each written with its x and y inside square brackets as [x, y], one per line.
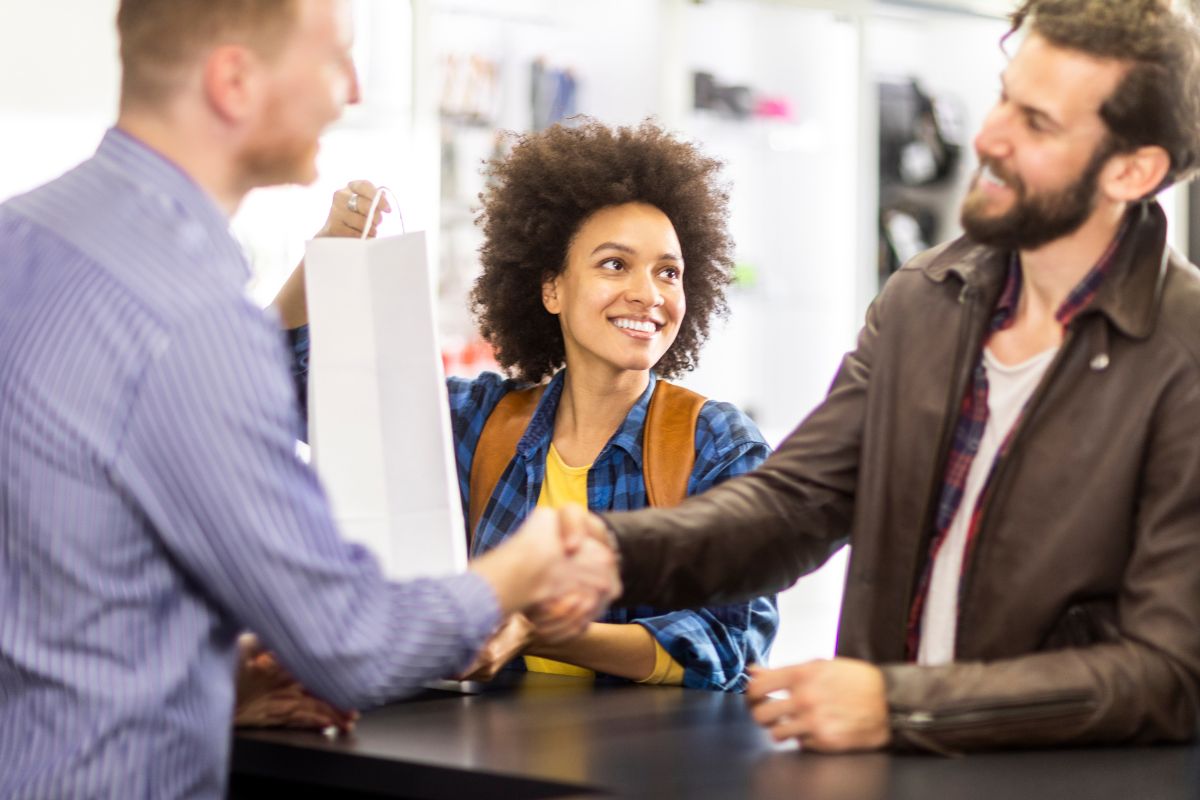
[151, 505]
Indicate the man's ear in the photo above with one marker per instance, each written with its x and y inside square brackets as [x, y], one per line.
[1131, 176]
[550, 294]
[232, 80]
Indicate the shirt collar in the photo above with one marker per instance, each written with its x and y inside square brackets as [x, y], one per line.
[166, 186]
[1078, 299]
[628, 436]
[1129, 294]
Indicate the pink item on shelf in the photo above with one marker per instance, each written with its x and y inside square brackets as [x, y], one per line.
[773, 107]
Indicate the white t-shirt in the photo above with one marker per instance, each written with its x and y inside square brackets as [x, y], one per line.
[1009, 388]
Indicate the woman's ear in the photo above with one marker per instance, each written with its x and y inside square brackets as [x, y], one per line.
[550, 295]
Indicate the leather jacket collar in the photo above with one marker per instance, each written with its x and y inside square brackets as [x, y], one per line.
[1129, 296]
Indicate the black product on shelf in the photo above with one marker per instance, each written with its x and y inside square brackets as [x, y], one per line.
[914, 149]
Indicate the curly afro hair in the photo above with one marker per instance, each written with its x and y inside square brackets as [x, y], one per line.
[542, 193]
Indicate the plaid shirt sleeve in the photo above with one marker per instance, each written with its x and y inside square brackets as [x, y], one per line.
[297, 348]
[715, 644]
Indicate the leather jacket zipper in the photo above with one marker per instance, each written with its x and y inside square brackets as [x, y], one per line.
[997, 484]
[949, 421]
[1062, 705]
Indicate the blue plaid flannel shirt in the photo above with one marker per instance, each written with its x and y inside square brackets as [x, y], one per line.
[715, 644]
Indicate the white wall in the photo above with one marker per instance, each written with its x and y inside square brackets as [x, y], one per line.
[59, 79]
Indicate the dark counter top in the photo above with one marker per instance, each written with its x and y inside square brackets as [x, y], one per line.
[541, 736]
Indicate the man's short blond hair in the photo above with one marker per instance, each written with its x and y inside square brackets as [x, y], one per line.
[161, 39]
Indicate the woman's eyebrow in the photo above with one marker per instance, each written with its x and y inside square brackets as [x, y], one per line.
[624, 248]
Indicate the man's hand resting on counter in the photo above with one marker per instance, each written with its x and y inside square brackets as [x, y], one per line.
[267, 696]
[833, 706]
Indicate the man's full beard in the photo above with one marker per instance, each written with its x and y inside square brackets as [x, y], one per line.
[1035, 219]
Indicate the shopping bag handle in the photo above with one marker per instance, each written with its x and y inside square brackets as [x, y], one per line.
[375, 205]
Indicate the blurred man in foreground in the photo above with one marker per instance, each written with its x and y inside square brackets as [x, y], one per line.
[151, 505]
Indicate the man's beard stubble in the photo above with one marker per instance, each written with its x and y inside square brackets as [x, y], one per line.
[1035, 219]
[277, 157]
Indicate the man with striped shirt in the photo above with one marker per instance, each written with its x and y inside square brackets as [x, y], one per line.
[151, 506]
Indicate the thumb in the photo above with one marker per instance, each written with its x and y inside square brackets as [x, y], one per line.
[573, 527]
[249, 647]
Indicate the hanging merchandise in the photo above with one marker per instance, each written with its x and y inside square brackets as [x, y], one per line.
[552, 94]
[918, 142]
[470, 89]
[920, 151]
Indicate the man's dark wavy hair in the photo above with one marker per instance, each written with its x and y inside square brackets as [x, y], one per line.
[1158, 100]
[540, 195]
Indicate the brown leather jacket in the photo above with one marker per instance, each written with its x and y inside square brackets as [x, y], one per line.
[1080, 608]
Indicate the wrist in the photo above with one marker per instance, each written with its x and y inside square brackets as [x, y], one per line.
[511, 574]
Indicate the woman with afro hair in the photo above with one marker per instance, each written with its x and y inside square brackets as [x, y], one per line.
[605, 259]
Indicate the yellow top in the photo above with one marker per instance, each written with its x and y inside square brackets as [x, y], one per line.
[565, 484]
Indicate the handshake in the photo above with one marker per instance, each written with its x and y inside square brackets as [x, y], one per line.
[552, 578]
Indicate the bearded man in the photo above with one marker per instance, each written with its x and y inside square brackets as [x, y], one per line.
[1012, 448]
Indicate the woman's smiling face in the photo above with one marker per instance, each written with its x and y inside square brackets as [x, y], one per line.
[620, 297]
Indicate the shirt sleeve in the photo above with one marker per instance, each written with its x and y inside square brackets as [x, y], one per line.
[716, 644]
[667, 671]
[297, 349]
[208, 457]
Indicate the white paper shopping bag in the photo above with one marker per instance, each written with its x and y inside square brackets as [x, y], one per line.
[379, 423]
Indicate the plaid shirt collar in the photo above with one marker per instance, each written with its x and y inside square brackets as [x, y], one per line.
[1076, 301]
[628, 437]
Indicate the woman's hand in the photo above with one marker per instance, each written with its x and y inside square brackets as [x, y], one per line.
[347, 218]
[509, 640]
[348, 213]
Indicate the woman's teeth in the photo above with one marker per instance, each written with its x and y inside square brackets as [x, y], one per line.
[644, 327]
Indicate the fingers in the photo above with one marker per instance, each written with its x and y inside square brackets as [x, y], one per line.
[348, 211]
[564, 618]
[763, 681]
[788, 717]
[577, 525]
[366, 190]
[582, 582]
[533, 567]
[831, 706]
[595, 568]
[289, 706]
[795, 726]
[249, 646]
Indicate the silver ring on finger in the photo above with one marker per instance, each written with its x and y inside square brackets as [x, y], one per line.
[352, 203]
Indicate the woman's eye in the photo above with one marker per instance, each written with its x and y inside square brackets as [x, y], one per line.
[611, 263]
[671, 273]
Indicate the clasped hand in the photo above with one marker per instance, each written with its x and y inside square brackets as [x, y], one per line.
[566, 575]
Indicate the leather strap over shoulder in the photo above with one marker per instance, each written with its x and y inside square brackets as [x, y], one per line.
[669, 443]
[496, 447]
